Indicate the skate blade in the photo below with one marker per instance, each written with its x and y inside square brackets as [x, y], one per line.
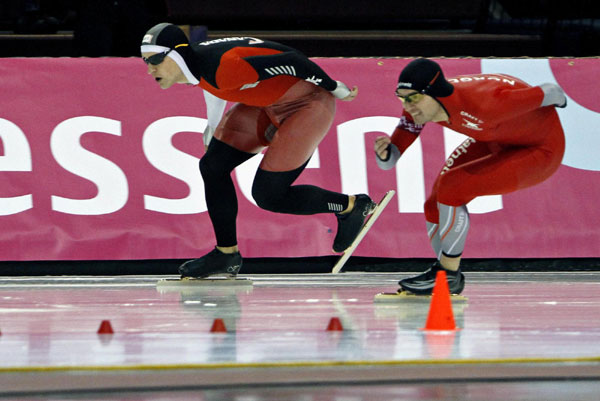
[399, 297]
[204, 282]
[363, 231]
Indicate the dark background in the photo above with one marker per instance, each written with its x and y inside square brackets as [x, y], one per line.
[351, 28]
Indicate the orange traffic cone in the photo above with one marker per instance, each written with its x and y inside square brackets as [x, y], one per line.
[335, 324]
[105, 328]
[218, 326]
[440, 310]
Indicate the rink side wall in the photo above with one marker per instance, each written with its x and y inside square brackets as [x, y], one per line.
[98, 164]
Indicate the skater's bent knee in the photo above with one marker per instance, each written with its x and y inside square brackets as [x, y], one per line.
[268, 192]
[266, 196]
[212, 166]
[208, 167]
[431, 210]
[220, 159]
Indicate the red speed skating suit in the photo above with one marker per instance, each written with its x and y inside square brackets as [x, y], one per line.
[513, 142]
[284, 99]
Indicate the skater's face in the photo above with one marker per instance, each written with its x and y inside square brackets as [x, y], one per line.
[422, 108]
[165, 72]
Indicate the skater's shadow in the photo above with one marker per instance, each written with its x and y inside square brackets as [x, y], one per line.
[218, 302]
[213, 303]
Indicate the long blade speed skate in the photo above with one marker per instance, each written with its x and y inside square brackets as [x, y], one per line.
[405, 296]
[365, 229]
[204, 282]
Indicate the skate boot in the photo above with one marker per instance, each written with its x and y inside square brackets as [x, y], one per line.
[350, 224]
[213, 263]
[423, 283]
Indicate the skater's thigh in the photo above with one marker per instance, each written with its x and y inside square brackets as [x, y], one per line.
[502, 172]
[242, 127]
[466, 152]
[299, 135]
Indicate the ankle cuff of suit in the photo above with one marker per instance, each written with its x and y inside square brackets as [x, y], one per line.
[451, 256]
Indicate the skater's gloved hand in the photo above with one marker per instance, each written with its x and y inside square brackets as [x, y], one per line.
[387, 153]
[553, 95]
[343, 93]
[382, 144]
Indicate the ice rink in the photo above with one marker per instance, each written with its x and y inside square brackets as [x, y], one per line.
[520, 336]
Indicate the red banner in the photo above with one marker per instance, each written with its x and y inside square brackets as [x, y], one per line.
[97, 162]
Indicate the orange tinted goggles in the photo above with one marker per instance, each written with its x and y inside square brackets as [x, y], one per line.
[414, 97]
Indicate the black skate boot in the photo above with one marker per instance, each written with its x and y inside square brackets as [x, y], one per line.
[213, 263]
[349, 224]
[423, 283]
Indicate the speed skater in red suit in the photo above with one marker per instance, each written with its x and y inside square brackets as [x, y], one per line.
[284, 103]
[515, 140]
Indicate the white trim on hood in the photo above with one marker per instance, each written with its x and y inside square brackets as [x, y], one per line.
[176, 57]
